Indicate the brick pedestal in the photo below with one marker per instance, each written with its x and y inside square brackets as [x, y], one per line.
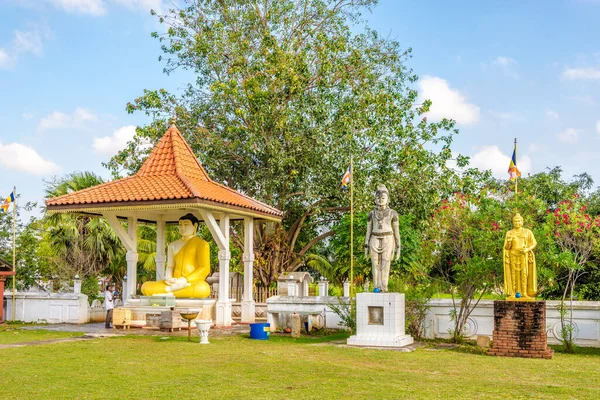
[520, 330]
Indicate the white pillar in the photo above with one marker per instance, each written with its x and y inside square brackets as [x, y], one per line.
[77, 285]
[323, 287]
[132, 258]
[160, 257]
[129, 240]
[223, 302]
[346, 288]
[125, 294]
[305, 287]
[292, 286]
[248, 304]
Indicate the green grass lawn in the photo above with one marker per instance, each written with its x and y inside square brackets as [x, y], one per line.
[141, 367]
[13, 333]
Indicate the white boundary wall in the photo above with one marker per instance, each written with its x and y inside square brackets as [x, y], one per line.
[586, 318]
[52, 308]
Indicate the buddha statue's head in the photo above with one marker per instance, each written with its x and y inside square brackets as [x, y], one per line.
[188, 225]
[382, 196]
[518, 221]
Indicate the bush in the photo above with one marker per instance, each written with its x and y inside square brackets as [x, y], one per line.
[90, 288]
[347, 313]
[416, 298]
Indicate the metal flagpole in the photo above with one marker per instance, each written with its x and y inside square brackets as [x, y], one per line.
[516, 176]
[14, 252]
[351, 225]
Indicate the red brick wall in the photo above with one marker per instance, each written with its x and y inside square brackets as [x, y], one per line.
[520, 330]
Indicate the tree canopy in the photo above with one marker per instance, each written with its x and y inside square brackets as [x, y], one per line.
[283, 94]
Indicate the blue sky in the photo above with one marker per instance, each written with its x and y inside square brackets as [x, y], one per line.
[502, 69]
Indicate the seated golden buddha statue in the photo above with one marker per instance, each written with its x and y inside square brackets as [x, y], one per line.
[188, 264]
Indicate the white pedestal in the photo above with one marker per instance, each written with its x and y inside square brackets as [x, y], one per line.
[224, 313]
[203, 327]
[248, 311]
[380, 321]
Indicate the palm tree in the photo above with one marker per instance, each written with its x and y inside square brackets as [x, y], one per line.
[81, 244]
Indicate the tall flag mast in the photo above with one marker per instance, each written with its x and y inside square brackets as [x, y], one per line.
[351, 226]
[347, 178]
[14, 250]
[12, 198]
[513, 171]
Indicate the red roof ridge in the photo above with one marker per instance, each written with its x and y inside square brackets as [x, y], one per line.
[245, 196]
[179, 158]
[53, 200]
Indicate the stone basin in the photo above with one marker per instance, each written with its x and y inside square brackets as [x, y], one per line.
[189, 315]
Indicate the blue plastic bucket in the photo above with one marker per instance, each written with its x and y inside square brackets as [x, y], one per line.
[260, 331]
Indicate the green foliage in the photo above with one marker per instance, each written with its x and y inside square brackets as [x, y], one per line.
[346, 312]
[416, 295]
[576, 244]
[32, 261]
[89, 287]
[283, 93]
[462, 249]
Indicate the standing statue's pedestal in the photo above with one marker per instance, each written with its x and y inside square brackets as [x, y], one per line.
[380, 321]
[520, 330]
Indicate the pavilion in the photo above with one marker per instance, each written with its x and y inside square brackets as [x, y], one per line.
[172, 183]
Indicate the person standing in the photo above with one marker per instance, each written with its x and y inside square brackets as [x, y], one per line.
[109, 305]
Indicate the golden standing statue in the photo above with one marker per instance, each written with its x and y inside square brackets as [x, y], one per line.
[520, 280]
[188, 264]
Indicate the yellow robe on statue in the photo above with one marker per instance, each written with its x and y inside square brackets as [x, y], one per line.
[192, 262]
[512, 257]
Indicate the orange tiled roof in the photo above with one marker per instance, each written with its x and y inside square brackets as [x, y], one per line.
[171, 172]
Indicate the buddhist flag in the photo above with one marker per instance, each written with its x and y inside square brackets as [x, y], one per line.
[513, 171]
[9, 199]
[346, 178]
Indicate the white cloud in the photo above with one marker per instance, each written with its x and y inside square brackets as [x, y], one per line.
[58, 120]
[490, 157]
[507, 65]
[18, 157]
[537, 148]
[585, 100]
[27, 115]
[94, 8]
[447, 102]
[582, 73]
[598, 126]
[143, 6]
[506, 116]
[116, 142]
[30, 41]
[569, 135]
[550, 114]
[89, 7]
[5, 59]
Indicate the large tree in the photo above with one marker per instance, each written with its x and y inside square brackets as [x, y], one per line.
[282, 95]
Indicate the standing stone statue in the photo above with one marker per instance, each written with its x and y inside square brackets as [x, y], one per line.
[383, 237]
[520, 281]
